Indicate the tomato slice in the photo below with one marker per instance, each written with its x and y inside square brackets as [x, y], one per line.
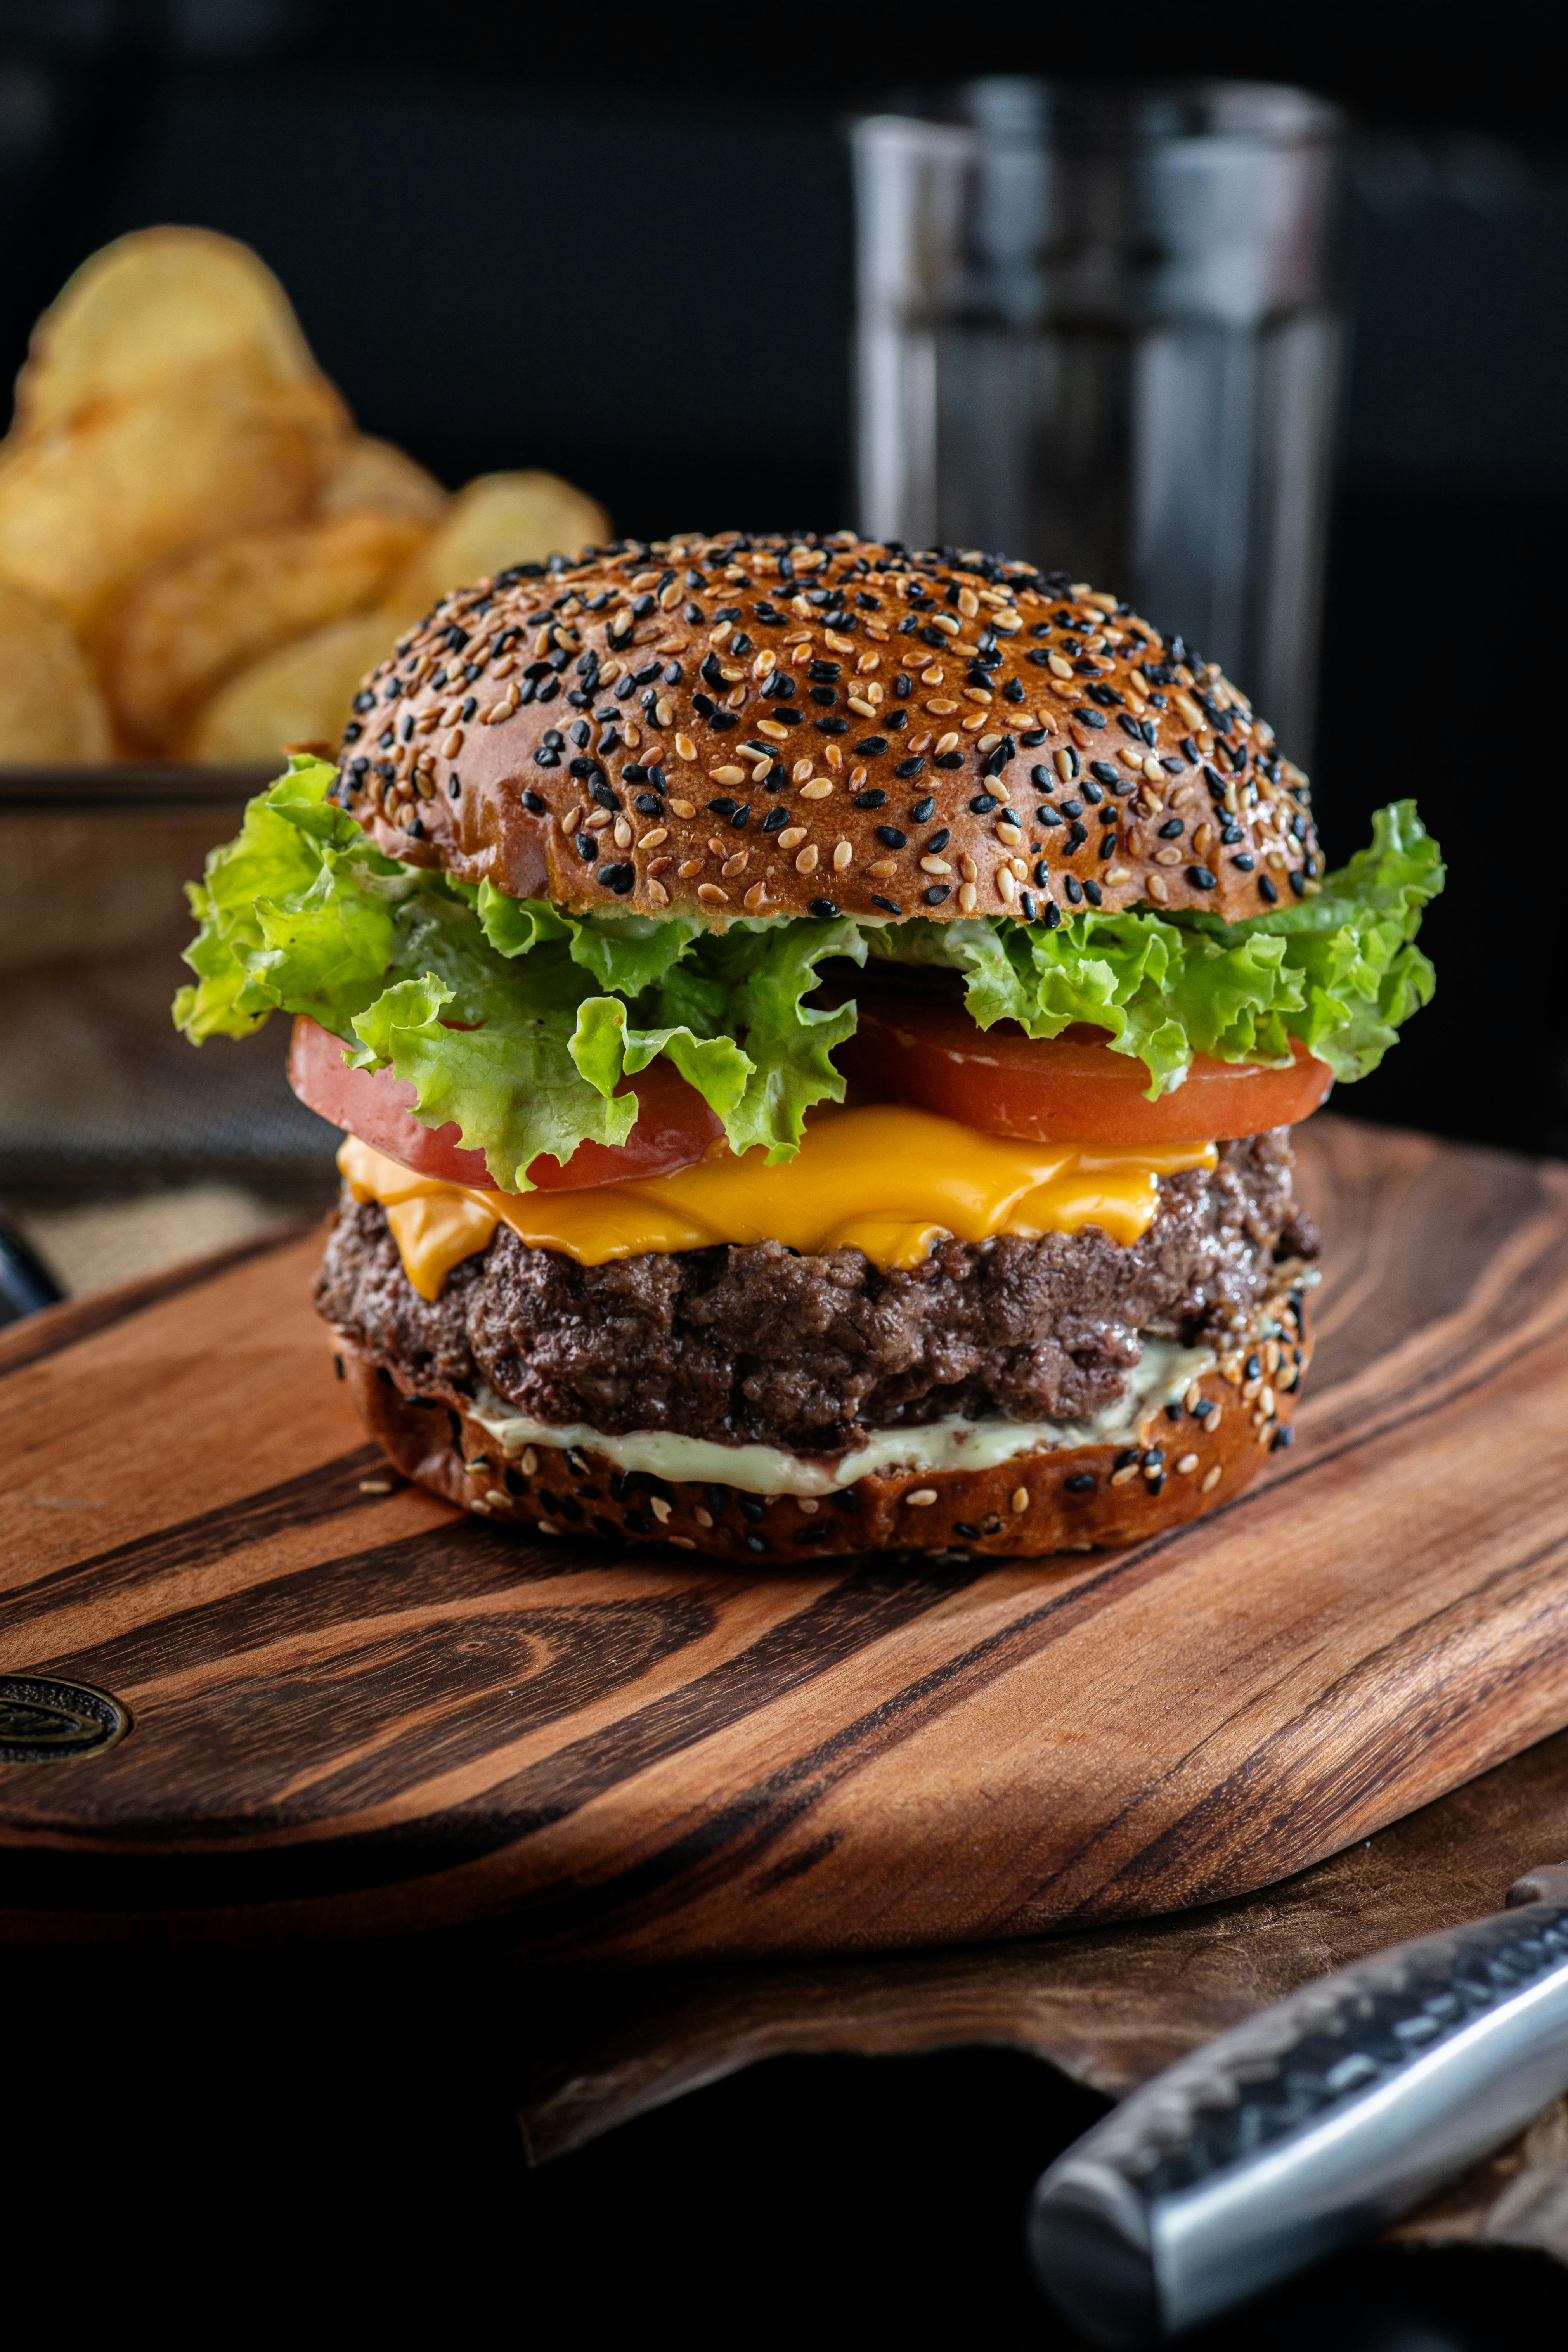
[1065, 1089]
[674, 1125]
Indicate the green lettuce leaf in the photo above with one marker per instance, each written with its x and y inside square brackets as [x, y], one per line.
[1338, 969]
[517, 1022]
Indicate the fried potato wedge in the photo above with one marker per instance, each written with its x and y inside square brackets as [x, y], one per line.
[87, 503]
[51, 708]
[151, 310]
[494, 520]
[304, 691]
[182, 629]
[366, 473]
[300, 694]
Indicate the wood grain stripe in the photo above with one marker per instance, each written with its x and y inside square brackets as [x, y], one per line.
[322, 1493]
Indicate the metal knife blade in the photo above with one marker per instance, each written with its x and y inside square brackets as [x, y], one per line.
[1310, 2124]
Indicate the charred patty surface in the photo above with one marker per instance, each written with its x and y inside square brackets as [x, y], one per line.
[757, 1345]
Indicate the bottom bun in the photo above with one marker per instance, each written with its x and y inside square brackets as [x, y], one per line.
[1076, 1499]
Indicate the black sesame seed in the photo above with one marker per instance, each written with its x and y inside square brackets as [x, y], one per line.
[1266, 890]
[872, 745]
[936, 893]
[586, 844]
[1050, 816]
[1106, 774]
[1026, 906]
[1080, 1483]
[721, 807]
[948, 760]
[922, 810]
[826, 908]
[776, 820]
[1173, 829]
[1245, 862]
[532, 803]
[1043, 779]
[886, 905]
[939, 840]
[832, 726]
[1298, 883]
[1200, 878]
[1042, 875]
[1088, 717]
[1092, 893]
[618, 878]
[903, 686]
[1092, 793]
[785, 716]
[984, 802]
[892, 837]
[1074, 889]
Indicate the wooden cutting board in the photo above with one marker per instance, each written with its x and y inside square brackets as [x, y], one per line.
[354, 1711]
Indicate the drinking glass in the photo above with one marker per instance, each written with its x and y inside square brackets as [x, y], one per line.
[1100, 328]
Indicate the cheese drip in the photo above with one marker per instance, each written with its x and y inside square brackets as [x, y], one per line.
[888, 1181]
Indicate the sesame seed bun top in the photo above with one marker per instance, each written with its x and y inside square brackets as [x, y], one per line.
[737, 725]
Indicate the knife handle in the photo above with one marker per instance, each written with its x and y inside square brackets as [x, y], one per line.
[1308, 2125]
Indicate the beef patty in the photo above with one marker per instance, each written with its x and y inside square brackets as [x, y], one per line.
[758, 1345]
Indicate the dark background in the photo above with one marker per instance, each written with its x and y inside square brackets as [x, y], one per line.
[616, 244]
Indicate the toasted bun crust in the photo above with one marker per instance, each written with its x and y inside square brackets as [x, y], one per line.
[745, 726]
[1089, 1497]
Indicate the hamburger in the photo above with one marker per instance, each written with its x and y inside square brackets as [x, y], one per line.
[818, 1028]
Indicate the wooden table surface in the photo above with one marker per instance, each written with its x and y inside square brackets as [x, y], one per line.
[356, 1712]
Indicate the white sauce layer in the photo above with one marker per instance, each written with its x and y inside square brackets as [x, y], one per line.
[1163, 1372]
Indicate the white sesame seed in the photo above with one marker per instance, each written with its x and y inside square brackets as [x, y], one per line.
[1211, 1479]
[681, 808]
[651, 840]
[932, 866]
[819, 791]
[1186, 1465]
[1006, 886]
[711, 896]
[921, 1496]
[1008, 832]
[728, 775]
[792, 836]
[685, 749]
[1020, 1500]
[806, 862]
[842, 853]
[967, 897]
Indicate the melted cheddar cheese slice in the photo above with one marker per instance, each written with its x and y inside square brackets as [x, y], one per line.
[888, 1180]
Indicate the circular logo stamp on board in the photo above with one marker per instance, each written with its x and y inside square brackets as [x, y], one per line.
[44, 1721]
